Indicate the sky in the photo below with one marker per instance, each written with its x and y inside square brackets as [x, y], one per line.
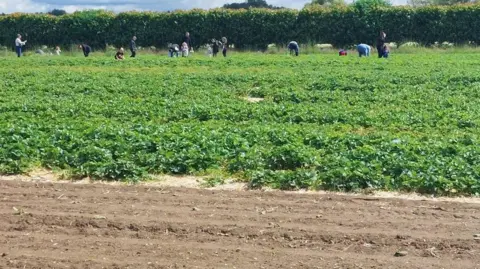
[9, 6]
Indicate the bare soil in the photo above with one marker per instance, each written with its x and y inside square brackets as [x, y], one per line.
[64, 225]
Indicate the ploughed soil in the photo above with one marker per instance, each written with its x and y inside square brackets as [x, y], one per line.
[65, 225]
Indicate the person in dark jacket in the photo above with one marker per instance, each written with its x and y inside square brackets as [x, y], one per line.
[215, 47]
[187, 39]
[225, 46]
[86, 49]
[133, 47]
[381, 44]
[293, 47]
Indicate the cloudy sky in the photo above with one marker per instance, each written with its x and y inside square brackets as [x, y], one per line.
[9, 6]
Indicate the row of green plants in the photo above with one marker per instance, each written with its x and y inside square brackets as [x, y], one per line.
[326, 122]
[253, 28]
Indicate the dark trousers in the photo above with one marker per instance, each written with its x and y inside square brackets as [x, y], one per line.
[380, 51]
[134, 53]
[18, 50]
[224, 51]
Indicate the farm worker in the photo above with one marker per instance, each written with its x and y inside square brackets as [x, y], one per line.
[39, 51]
[381, 43]
[215, 47]
[184, 49]
[173, 50]
[120, 54]
[86, 49]
[386, 51]
[19, 44]
[225, 46]
[188, 40]
[293, 47]
[57, 50]
[209, 51]
[342, 52]
[363, 50]
[133, 47]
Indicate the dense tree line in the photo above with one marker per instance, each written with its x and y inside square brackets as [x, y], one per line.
[251, 28]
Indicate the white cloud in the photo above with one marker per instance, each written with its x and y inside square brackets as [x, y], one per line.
[9, 6]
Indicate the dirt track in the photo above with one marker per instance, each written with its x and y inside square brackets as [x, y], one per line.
[101, 226]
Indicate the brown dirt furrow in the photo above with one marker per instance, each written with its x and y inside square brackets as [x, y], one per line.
[50, 225]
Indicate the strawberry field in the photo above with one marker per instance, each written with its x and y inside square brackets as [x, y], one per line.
[323, 122]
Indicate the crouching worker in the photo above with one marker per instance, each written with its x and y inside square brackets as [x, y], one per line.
[173, 50]
[293, 47]
[385, 52]
[120, 55]
[363, 50]
[86, 49]
[184, 49]
[342, 52]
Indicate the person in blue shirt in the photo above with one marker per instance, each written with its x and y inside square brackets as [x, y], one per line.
[385, 51]
[363, 50]
[293, 47]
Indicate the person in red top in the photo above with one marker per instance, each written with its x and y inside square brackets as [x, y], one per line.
[342, 52]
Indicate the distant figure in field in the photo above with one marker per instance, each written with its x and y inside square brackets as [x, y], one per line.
[342, 52]
[386, 51]
[57, 51]
[293, 47]
[225, 46]
[363, 50]
[215, 47]
[381, 44]
[133, 47]
[86, 49]
[173, 50]
[120, 55]
[188, 40]
[184, 49]
[19, 44]
[209, 51]
[39, 51]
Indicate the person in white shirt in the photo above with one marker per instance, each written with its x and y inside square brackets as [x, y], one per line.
[19, 44]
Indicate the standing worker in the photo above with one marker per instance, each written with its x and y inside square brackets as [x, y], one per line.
[381, 44]
[187, 39]
[19, 44]
[133, 47]
[363, 50]
[225, 46]
[86, 49]
[293, 47]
